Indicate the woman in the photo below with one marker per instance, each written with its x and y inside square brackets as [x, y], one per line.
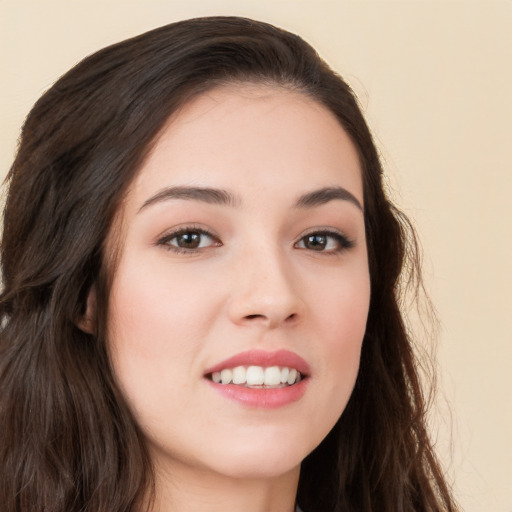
[200, 304]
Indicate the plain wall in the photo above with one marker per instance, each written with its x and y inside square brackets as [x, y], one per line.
[435, 81]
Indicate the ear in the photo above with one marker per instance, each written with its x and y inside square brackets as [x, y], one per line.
[87, 322]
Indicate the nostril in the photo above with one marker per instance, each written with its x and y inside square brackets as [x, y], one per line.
[256, 316]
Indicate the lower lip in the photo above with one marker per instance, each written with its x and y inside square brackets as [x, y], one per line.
[262, 398]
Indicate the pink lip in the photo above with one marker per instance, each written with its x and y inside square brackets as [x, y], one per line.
[263, 398]
[263, 358]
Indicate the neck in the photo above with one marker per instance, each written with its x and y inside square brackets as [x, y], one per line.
[185, 490]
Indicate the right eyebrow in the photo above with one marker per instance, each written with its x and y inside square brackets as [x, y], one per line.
[204, 194]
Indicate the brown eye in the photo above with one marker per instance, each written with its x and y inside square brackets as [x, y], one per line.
[189, 240]
[328, 242]
[315, 242]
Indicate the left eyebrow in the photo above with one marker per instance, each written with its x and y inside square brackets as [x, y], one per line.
[324, 195]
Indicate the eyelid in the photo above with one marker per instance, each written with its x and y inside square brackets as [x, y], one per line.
[344, 241]
[164, 239]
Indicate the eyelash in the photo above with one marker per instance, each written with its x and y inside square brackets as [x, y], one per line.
[343, 243]
[187, 230]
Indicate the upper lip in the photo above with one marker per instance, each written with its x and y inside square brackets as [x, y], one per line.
[263, 358]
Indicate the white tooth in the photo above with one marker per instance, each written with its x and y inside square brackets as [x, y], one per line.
[255, 376]
[226, 376]
[239, 375]
[272, 376]
[292, 376]
[284, 374]
[216, 377]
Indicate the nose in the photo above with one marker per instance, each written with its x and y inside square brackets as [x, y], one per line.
[265, 292]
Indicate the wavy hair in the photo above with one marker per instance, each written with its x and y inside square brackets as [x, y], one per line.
[68, 441]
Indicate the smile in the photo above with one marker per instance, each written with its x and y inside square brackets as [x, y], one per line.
[257, 376]
[258, 379]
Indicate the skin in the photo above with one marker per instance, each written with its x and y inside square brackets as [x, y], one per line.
[253, 284]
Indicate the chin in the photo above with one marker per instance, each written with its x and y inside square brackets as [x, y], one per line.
[261, 468]
[262, 457]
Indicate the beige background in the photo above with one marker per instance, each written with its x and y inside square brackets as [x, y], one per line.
[435, 80]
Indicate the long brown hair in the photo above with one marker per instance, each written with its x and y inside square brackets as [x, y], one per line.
[68, 442]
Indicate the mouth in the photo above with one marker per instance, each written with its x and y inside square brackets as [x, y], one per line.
[258, 377]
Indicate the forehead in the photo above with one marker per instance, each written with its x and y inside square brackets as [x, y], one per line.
[258, 137]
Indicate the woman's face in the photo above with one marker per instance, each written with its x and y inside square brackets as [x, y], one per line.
[241, 294]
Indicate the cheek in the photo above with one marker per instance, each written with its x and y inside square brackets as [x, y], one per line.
[146, 332]
[340, 315]
[158, 323]
[154, 313]
[342, 307]
[341, 320]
